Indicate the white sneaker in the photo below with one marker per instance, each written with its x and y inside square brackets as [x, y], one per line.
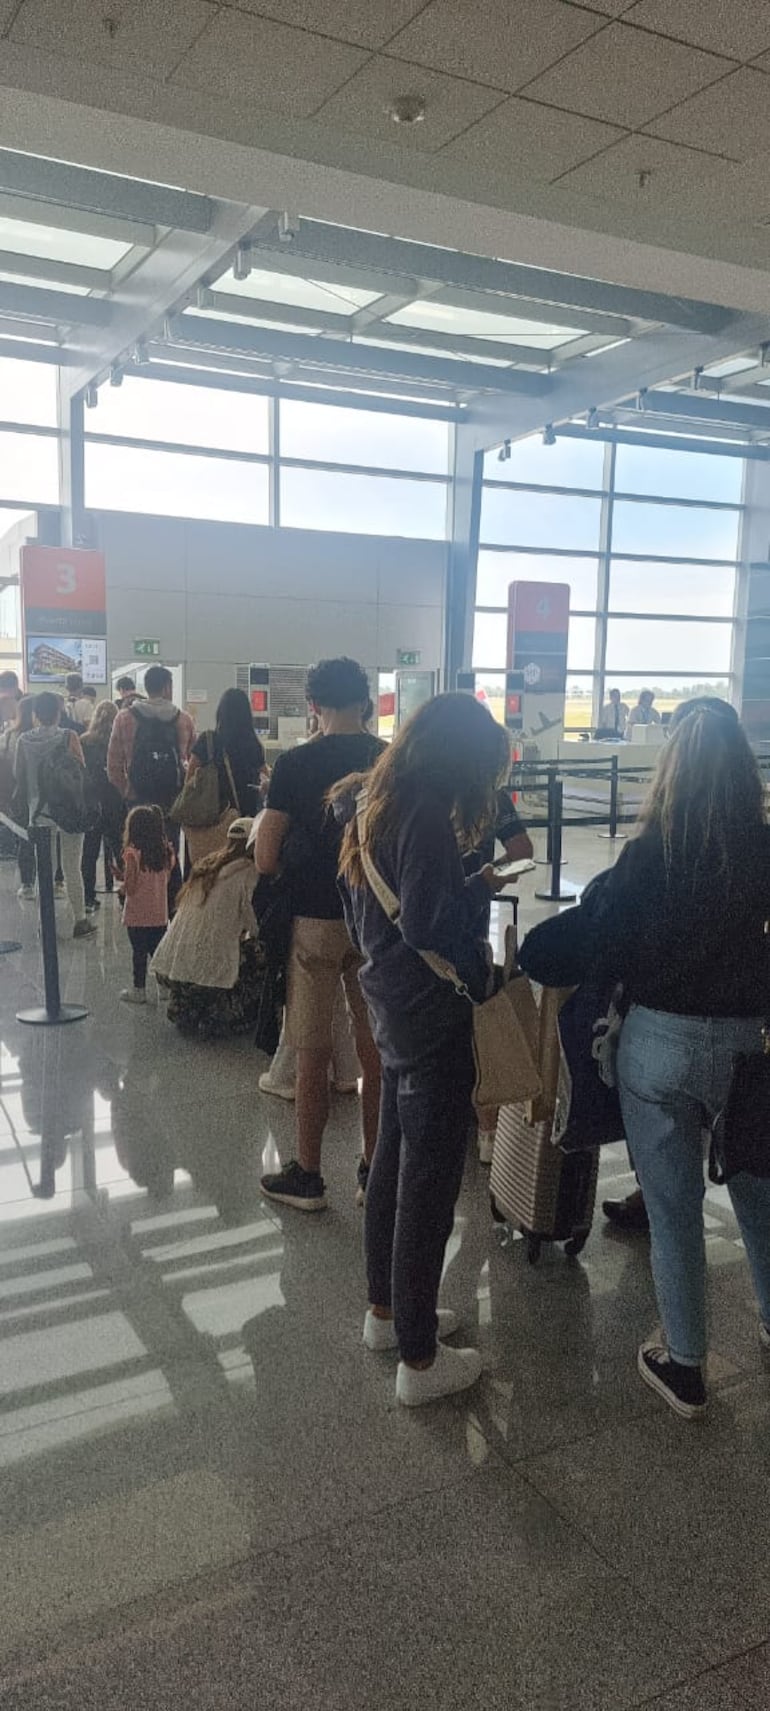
[27, 893]
[764, 1336]
[486, 1145]
[345, 1086]
[380, 1334]
[58, 889]
[452, 1370]
[133, 995]
[268, 1086]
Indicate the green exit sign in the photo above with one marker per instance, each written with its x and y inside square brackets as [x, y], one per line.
[147, 650]
[406, 656]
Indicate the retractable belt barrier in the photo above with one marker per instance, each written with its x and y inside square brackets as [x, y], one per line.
[53, 1013]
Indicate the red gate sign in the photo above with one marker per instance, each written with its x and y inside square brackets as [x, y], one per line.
[63, 602]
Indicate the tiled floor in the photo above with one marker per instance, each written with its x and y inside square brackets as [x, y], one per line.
[208, 1496]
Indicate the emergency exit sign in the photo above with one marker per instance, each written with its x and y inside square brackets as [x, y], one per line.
[147, 649]
[408, 657]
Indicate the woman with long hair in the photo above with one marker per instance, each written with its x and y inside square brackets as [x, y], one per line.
[108, 828]
[682, 925]
[238, 752]
[430, 797]
[208, 959]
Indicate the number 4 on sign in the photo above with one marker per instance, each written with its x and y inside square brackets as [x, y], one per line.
[543, 608]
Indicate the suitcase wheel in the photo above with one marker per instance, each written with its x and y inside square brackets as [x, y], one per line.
[534, 1244]
[495, 1210]
[575, 1245]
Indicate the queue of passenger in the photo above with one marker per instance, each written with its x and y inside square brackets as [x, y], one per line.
[382, 858]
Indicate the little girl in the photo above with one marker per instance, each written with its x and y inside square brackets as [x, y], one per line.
[147, 861]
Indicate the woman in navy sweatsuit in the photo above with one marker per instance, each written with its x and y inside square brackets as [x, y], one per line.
[431, 795]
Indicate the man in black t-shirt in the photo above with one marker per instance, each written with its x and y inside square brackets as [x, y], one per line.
[298, 834]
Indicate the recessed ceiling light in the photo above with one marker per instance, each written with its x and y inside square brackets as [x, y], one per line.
[407, 109]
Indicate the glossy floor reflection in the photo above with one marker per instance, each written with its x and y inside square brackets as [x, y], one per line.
[208, 1494]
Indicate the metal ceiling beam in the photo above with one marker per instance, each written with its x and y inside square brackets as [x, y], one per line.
[365, 250]
[76, 220]
[56, 306]
[604, 379]
[166, 277]
[693, 407]
[357, 327]
[272, 388]
[667, 442]
[28, 352]
[273, 257]
[220, 362]
[54, 272]
[43, 180]
[196, 330]
[534, 309]
[523, 356]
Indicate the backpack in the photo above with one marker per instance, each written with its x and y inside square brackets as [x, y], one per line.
[62, 793]
[155, 773]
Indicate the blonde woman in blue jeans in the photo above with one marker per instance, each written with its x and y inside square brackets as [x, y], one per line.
[682, 925]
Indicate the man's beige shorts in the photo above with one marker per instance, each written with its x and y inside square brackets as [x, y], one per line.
[321, 955]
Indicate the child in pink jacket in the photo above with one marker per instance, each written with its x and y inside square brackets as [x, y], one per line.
[147, 862]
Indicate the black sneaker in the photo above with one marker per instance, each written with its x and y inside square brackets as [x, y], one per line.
[681, 1387]
[293, 1186]
[629, 1214]
[92, 905]
[362, 1180]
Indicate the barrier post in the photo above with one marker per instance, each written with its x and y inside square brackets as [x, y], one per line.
[613, 832]
[53, 1013]
[547, 860]
[561, 891]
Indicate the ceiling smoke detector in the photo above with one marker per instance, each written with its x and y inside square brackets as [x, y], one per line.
[407, 109]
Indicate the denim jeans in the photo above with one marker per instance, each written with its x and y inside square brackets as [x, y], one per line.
[425, 1115]
[674, 1074]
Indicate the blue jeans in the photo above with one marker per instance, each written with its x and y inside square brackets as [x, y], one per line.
[674, 1074]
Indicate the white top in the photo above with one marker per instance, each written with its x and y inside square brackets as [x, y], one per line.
[201, 944]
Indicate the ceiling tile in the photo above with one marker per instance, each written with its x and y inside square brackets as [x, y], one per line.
[452, 104]
[538, 143]
[626, 76]
[367, 23]
[616, 172]
[732, 118]
[740, 29]
[610, 8]
[506, 42]
[149, 34]
[290, 71]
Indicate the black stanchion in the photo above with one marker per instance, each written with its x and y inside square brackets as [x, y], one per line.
[613, 832]
[561, 891]
[547, 860]
[53, 1014]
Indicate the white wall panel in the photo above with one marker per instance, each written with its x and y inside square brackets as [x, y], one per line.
[219, 594]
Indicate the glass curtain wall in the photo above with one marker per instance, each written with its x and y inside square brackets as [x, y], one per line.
[180, 450]
[647, 540]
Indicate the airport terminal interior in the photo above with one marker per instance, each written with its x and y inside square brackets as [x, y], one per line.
[434, 334]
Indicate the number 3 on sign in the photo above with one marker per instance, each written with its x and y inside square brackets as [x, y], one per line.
[65, 579]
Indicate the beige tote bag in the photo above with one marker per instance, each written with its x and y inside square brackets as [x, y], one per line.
[505, 1026]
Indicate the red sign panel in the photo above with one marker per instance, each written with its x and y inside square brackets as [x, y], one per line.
[64, 578]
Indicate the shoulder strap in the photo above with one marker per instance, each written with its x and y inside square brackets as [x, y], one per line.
[388, 901]
[231, 781]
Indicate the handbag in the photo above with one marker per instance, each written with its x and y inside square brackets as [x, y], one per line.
[198, 801]
[740, 1139]
[203, 840]
[505, 1026]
